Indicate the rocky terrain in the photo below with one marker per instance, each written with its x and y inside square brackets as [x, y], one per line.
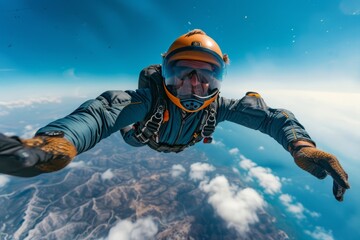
[82, 202]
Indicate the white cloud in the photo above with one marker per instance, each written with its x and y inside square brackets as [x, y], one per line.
[218, 143]
[320, 234]
[286, 180]
[198, 170]
[29, 127]
[237, 207]
[107, 175]
[235, 170]
[9, 134]
[4, 180]
[28, 102]
[272, 185]
[234, 151]
[266, 179]
[313, 214]
[177, 170]
[77, 164]
[297, 209]
[144, 228]
[246, 164]
[261, 148]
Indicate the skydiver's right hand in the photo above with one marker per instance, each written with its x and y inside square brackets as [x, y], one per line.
[31, 157]
[15, 157]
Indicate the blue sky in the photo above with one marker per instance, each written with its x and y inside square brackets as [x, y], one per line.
[303, 55]
[50, 39]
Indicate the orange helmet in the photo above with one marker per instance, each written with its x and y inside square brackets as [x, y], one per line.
[193, 69]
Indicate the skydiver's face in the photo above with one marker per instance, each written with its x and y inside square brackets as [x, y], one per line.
[192, 77]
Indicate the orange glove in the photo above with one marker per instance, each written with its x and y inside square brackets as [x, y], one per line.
[320, 164]
[31, 157]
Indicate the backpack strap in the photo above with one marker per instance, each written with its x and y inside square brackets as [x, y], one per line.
[151, 77]
[145, 131]
[207, 125]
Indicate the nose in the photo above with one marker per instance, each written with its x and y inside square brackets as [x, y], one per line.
[194, 79]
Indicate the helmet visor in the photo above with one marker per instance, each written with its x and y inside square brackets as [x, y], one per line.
[186, 78]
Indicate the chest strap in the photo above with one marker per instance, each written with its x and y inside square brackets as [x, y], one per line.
[151, 127]
[209, 126]
[147, 133]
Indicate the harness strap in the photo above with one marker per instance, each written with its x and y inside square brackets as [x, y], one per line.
[209, 127]
[152, 126]
[205, 130]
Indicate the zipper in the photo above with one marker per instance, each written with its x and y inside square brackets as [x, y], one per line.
[183, 119]
[180, 131]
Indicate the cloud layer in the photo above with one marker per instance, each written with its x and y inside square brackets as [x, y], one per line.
[237, 207]
[107, 175]
[198, 170]
[295, 208]
[268, 181]
[144, 228]
[320, 234]
[77, 164]
[28, 102]
[177, 170]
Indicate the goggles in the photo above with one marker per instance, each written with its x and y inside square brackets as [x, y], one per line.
[185, 78]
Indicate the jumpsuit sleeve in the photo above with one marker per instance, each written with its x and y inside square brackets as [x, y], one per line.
[251, 111]
[98, 118]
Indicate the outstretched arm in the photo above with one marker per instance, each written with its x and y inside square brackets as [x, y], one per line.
[55, 145]
[251, 111]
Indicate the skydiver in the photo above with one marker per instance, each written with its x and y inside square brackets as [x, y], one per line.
[176, 106]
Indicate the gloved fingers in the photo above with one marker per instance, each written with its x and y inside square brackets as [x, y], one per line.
[312, 168]
[9, 163]
[308, 164]
[333, 167]
[322, 160]
[14, 156]
[7, 144]
[338, 191]
[17, 160]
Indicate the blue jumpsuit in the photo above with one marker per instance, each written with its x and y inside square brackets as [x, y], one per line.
[98, 118]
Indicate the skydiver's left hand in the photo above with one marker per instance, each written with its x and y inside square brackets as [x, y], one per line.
[320, 164]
